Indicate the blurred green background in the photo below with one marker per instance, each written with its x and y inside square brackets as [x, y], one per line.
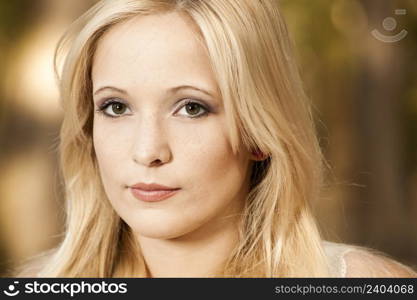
[363, 89]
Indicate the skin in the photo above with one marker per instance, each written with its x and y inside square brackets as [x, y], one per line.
[153, 139]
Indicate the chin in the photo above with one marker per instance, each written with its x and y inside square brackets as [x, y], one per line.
[160, 227]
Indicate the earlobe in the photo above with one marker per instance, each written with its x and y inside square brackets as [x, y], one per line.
[258, 155]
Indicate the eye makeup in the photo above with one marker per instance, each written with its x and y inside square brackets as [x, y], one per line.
[115, 108]
[112, 103]
[190, 104]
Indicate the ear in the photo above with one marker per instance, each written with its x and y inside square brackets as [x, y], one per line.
[258, 155]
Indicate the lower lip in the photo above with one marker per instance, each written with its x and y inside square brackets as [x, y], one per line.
[153, 196]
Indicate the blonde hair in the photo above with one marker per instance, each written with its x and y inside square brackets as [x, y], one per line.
[266, 109]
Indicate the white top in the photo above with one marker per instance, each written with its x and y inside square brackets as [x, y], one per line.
[335, 253]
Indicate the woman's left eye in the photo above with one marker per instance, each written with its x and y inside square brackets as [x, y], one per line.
[194, 109]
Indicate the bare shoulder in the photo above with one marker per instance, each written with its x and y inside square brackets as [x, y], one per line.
[363, 262]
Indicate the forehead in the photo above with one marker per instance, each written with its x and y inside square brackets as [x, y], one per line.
[157, 48]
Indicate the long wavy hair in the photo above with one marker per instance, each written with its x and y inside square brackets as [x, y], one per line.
[250, 54]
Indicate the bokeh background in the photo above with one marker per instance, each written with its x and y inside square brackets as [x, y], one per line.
[363, 89]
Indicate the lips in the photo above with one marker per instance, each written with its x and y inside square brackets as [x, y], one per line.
[152, 192]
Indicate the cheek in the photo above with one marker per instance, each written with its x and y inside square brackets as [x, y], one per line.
[212, 161]
[207, 161]
[110, 139]
[110, 144]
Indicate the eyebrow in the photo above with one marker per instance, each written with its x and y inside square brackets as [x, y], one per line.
[170, 90]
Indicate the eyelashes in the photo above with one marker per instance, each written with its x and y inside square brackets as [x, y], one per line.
[112, 103]
[114, 108]
[189, 105]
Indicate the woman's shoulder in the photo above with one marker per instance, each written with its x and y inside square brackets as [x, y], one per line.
[365, 262]
[347, 260]
[34, 265]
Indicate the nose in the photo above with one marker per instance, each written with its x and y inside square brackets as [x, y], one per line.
[150, 147]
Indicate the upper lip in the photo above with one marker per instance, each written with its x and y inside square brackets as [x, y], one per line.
[152, 187]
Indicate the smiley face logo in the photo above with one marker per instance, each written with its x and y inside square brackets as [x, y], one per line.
[12, 291]
[390, 24]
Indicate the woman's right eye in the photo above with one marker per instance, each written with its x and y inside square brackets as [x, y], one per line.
[112, 109]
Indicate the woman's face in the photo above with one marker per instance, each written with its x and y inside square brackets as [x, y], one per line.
[145, 132]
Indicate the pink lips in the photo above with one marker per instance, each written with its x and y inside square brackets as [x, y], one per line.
[152, 192]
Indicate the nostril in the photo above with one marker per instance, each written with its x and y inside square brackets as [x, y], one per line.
[156, 162]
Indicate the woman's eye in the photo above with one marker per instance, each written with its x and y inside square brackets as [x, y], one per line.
[194, 109]
[113, 109]
[116, 109]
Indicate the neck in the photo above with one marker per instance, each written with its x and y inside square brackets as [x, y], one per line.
[201, 253]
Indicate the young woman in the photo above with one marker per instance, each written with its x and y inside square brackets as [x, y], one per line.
[188, 148]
